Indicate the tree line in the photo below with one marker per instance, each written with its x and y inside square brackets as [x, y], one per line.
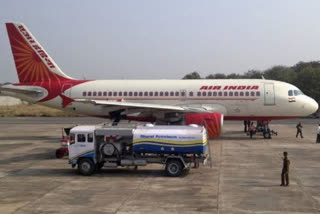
[304, 75]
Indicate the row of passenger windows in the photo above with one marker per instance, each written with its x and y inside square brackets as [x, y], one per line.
[171, 93]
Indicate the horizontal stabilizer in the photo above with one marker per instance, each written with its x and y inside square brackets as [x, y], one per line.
[27, 91]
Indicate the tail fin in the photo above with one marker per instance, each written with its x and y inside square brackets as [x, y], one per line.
[32, 62]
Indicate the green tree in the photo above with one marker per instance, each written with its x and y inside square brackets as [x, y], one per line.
[193, 75]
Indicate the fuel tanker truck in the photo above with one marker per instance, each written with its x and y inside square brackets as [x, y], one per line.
[176, 147]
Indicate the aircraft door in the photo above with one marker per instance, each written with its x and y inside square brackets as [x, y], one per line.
[269, 97]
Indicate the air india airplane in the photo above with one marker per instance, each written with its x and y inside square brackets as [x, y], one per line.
[41, 81]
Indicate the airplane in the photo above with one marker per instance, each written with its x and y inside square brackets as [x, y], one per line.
[203, 101]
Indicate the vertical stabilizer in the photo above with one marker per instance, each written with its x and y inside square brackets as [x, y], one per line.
[32, 62]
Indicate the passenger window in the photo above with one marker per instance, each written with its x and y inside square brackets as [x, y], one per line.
[183, 93]
[177, 93]
[252, 93]
[290, 93]
[100, 93]
[109, 93]
[190, 94]
[166, 94]
[150, 93]
[258, 93]
[105, 93]
[125, 93]
[236, 93]
[135, 94]
[115, 93]
[161, 93]
[94, 93]
[231, 93]
[214, 94]
[84, 93]
[89, 93]
[145, 93]
[204, 93]
[130, 94]
[171, 93]
[156, 94]
[199, 94]
[90, 137]
[140, 93]
[210, 93]
[241, 93]
[225, 94]
[220, 93]
[81, 138]
[120, 93]
[247, 93]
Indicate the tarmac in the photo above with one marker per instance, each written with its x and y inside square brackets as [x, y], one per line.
[244, 178]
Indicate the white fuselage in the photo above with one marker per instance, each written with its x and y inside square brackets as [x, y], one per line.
[236, 99]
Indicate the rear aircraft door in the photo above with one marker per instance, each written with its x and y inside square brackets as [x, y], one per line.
[269, 97]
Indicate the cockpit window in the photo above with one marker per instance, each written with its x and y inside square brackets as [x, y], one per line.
[290, 93]
[297, 92]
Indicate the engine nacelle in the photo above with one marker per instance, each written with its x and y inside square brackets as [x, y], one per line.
[212, 121]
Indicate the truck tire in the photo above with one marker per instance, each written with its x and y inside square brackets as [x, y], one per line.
[86, 167]
[174, 168]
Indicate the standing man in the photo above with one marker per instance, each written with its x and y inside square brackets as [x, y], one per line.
[318, 134]
[245, 123]
[251, 129]
[285, 170]
[299, 130]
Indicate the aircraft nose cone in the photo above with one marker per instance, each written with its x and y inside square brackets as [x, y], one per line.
[314, 106]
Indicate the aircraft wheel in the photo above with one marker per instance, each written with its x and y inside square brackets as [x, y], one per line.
[266, 135]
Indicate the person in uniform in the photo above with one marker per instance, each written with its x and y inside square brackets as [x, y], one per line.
[285, 170]
[299, 130]
[318, 134]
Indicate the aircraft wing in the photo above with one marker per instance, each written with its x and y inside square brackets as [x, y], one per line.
[126, 104]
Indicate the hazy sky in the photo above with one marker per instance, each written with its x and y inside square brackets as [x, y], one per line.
[126, 39]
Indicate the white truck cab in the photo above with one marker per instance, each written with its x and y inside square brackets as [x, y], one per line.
[81, 143]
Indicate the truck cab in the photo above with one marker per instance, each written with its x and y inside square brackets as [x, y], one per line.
[81, 143]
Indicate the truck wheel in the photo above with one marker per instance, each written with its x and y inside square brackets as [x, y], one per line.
[86, 166]
[174, 168]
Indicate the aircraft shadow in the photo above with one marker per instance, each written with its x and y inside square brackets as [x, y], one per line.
[30, 138]
[46, 155]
